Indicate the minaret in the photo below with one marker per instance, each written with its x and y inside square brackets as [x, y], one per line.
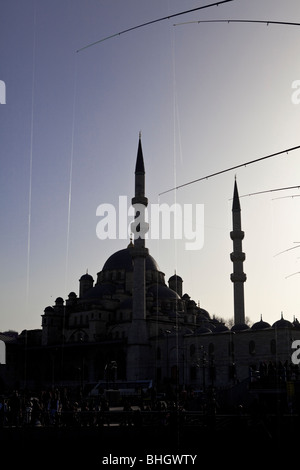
[138, 343]
[238, 276]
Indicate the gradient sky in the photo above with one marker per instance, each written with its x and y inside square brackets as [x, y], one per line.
[206, 97]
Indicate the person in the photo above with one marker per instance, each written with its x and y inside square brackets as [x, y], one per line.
[15, 409]
[127, 418]
[3, 412]
[103, 416]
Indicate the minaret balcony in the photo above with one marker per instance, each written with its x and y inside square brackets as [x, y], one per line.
[139, 200]
[237, 256]
[238, 277]
[237, 235]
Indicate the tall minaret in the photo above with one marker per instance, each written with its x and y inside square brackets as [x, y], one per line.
[238, 276]
[138, 343]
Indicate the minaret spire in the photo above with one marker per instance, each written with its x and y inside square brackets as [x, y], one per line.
[138, 344]
[238, 277]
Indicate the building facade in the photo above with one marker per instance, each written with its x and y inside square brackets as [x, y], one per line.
[128, 324]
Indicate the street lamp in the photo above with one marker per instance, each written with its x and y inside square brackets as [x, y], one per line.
[167, 333]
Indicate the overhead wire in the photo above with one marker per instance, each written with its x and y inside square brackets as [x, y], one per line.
[31, 157]
[250, 162]
[288, 249]
[152, 22]
[30, 184]
[267, 22]
[271, 191]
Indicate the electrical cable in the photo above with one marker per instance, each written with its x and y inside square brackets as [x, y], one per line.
[152, 22]
[231, 168]
[267, 22]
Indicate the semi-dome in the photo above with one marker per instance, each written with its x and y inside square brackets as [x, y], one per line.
[162, 292]
[122, 259]
[98, 291]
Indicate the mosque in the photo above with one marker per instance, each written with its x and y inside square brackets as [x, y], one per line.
[129, 325]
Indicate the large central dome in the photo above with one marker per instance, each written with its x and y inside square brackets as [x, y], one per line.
[122, 259]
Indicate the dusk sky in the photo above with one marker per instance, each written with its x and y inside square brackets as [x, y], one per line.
[206, 97]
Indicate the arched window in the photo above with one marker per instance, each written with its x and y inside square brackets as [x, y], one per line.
[174, 373]
[158, 354]
[252, 347]
[193, 373]
[273, 346]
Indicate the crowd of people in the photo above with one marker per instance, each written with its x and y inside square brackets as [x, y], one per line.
[55, 408]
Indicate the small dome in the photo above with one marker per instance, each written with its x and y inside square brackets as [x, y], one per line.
[220, 328]
[240, 327]
[203, 330]
[296, 323]
[260, 325]
[282, 323]
[186, 297]
[59, 301]
[49, 310]
[126, 304]
[202, 314]
[188, 331]
[175, 277]
[72, 295]
[86, 277]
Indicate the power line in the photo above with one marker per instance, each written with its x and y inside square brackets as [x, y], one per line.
[271, 191]
[232, 168]
[267, 22]
[289, 249]
[152, 22]
[286, 197]
[290, 275]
